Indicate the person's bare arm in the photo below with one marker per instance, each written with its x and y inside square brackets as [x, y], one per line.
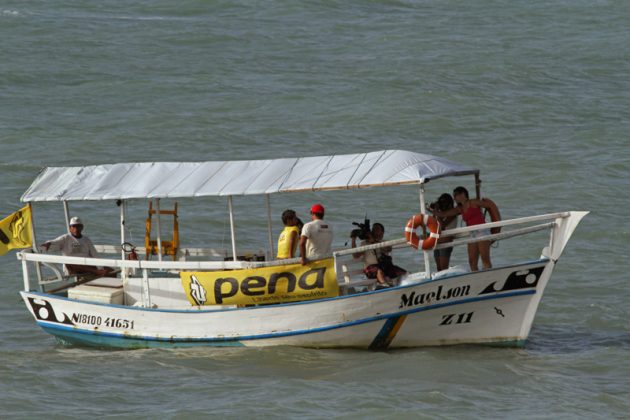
[448, 213]
[479, 203]
[303, 240]
[55, 243]
[354, 245]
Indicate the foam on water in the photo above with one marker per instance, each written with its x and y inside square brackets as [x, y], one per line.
[9, 13]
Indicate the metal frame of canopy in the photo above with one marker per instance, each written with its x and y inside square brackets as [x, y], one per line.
[123, 209]
[362, 171]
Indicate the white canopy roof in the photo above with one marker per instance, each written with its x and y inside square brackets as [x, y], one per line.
[242, 177]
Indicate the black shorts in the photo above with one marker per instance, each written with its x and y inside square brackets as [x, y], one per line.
[390, 270]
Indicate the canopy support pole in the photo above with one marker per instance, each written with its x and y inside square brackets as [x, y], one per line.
[38, 267]
[232, 230]
[478, 186]
[66, 212]
[423, 210]
[269, 228]
[25, 276]
[159, 229]
[122, 228]
[146, 292]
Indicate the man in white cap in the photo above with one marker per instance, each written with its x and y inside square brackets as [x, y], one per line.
[75, 244]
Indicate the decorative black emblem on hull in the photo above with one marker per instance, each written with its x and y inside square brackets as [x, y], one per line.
[522, 279]
[44, 311]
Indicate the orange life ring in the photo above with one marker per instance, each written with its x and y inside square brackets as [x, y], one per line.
[495, 216]
[426, 221]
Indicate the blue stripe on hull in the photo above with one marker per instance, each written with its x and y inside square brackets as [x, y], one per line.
[508, 343]
[103, 341]
[385, 336]
[118, 341]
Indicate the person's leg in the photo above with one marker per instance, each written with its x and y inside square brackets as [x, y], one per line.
[79, 270]
[442, 258]
[484, 252]
[370, 271]
[393, 273]
[473, 256]
[74, 269]
[441, 262]
[436, 256]
[380, 277]
[447, 257]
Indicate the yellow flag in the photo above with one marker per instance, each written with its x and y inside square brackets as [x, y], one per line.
[285, 283]
[15, 231]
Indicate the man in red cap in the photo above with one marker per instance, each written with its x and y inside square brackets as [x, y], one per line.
[317, 235]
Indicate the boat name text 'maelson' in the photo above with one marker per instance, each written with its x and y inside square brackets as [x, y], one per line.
[414, 299]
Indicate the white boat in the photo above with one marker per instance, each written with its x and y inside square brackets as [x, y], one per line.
[160, 303]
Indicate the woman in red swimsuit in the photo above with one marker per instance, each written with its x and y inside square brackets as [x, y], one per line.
[471, 212]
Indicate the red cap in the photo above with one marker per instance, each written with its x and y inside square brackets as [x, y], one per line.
[317, 208]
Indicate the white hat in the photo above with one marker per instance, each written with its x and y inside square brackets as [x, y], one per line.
[75, 221]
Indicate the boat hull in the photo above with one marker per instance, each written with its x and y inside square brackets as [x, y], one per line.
[493, 306]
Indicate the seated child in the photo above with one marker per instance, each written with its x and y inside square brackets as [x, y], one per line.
[377, 262]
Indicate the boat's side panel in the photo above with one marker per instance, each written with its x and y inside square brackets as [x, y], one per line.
[494, 317]
[530, 312]
[503, 312]
[478, 321]
[400, 317]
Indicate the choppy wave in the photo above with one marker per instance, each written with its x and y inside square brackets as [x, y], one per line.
[12, 13]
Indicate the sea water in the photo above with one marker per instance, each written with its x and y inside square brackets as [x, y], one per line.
[535, 94]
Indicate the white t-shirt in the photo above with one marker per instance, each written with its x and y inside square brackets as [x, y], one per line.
[74, 247]
[370, 257]
[320, 236]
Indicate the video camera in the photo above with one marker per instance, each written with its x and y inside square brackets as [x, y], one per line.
[363, 231]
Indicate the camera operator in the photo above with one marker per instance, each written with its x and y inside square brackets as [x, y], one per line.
[377, 262]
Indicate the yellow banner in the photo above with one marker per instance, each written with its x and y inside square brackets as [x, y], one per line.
[15, 231]
[285, 283]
